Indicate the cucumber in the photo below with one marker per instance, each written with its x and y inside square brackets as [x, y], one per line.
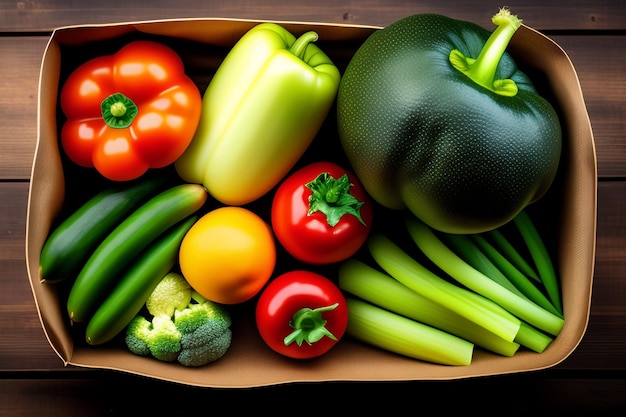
[137, 283]
[101, 271]
[69, 245]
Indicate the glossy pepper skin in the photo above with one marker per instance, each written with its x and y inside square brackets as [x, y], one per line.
[436, 117]
[130, 111]
[261, 110]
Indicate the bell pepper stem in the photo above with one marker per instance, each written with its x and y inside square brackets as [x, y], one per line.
[309, 326]
[118, 111]
[299, 46]
[482, 70]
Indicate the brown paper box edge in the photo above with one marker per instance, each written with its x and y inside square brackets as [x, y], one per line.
[249, 363]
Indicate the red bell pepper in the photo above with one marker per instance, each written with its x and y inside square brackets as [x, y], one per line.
[130, 111]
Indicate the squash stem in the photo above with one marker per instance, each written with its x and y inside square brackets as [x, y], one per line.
[482, 70]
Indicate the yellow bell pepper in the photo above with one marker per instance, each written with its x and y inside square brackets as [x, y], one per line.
[261, 111]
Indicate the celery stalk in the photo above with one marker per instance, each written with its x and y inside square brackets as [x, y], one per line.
[411, 273]
[511, 253]
[376, 287]
[540, 256]
[395, 333]
[524, 284]
[464, 246]
[532, 338]
[527, 335]
[475, 280]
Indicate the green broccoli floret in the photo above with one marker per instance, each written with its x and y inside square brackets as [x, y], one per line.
[159, 337]
[184, 327]
[172, 293]
[205, 329]
[137, 335]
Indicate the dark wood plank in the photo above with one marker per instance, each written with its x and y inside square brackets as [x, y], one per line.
[28, 15]
[600, 62]
[23, 344]
[604, 343]
[19, 66]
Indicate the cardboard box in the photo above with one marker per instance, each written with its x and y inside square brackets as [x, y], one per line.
[568, 214]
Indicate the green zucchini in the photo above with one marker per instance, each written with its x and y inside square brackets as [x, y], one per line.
[69, 245]
[137, 283]
[101, 271]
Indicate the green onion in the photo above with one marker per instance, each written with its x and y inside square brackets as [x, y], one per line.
[395, 333]
[540, 256]
[511, 253]
[476, 281]
[376, 287]
[411, 273]
[527, 335]
[466, 248]
[518, 279]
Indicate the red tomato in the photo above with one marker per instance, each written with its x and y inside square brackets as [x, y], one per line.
[321, 214]
[301, 314]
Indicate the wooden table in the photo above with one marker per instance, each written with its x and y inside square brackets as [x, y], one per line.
[34, 381]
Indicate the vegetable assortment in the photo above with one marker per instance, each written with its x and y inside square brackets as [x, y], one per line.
[161, 263]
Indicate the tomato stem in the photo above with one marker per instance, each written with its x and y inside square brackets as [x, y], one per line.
[332, 197]
[309, 326]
